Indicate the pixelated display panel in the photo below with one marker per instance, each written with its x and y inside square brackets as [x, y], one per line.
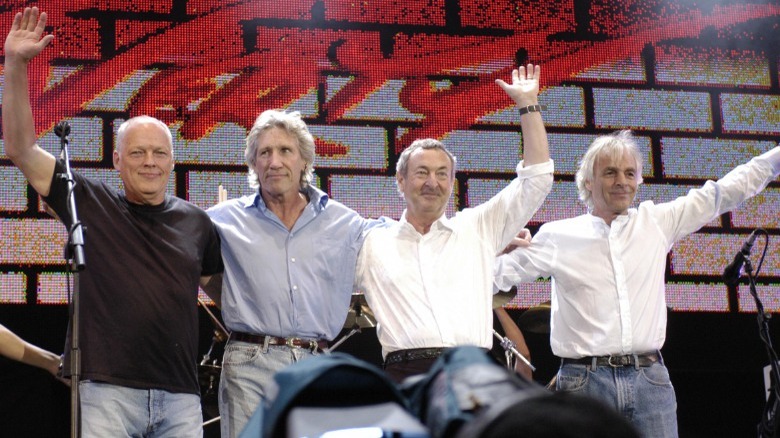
[696, 82]
[13, 288]
[698, 297]
[54, 288]
[769, 294]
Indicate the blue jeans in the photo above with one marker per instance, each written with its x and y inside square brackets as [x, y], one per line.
[247, 380]
[643, 395]
[118, 411]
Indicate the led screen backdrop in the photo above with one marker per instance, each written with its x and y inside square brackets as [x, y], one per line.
[696, 81]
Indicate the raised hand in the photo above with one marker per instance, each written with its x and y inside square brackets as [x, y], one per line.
[522, 240]
[24, 41]
[222, 194]
[524, 88]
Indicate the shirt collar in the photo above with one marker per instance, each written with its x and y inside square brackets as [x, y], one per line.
[620, 219]
[442, 222]
[317, 198]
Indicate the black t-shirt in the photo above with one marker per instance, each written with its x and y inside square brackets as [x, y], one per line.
[138, 292]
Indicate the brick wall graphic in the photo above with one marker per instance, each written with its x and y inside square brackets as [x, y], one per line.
[697, 83]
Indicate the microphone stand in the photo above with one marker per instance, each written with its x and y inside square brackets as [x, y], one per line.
[767, 428]
[76, 261]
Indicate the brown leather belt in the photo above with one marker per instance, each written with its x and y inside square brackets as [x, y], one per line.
[292, 342]
[628, 360]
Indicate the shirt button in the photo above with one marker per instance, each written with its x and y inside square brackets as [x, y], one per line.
[295, 287]
[292, 259]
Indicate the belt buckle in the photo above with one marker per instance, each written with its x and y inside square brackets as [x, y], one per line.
[620, 361]
[291, 342]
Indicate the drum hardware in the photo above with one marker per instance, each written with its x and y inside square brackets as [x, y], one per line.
[503, 297]
[510, 350]
[210, 369]
[552, 384]
[500, 299]
[207, 361]
[536, 319]
[359, 317]
[213, 420]
[209, 372]
[221, 332]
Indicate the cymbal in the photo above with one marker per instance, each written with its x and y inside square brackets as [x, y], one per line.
[359, 314]
[536, 319]
[503, 297]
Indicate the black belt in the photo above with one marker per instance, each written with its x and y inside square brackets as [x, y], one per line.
[397, 356]
[310, 344]
[628, 360]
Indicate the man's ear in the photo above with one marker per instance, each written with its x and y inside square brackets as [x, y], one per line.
[399, 181]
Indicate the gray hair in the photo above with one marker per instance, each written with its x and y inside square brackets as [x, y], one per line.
[294, 125]
[122, 130]
[424, 143]
[614, 145]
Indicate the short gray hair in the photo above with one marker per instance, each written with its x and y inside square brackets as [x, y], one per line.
[424, 143]
[615, 145]
[122, 130]
[294, 125]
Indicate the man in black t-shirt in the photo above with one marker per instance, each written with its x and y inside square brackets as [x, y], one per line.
[145, 252]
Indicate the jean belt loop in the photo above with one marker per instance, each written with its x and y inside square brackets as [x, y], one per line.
[636, 361]
[266, 342]
[594, 363]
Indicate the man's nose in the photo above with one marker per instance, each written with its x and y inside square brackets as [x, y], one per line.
[274, 159]
[149, 159]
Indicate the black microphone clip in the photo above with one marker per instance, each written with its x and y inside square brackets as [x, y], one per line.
[62, 129]
[733, 271]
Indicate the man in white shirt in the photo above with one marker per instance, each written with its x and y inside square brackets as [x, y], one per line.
[608, 318]
[428, 278]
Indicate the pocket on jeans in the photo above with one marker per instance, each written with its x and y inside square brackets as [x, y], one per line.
[656, 374]
[572, 378]
[240, 354]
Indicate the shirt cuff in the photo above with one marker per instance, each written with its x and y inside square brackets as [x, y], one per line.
[773, 158]
[534, 169]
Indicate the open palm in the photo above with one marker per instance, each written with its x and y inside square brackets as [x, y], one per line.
[525, 84]
[24, 40]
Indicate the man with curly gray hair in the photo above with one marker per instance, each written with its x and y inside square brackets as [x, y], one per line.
[608, 320]
[289, 253]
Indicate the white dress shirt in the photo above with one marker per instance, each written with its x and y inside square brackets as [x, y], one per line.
[435, 289]
[608, 281]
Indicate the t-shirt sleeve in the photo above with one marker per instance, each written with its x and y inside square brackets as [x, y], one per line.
[212, 256]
